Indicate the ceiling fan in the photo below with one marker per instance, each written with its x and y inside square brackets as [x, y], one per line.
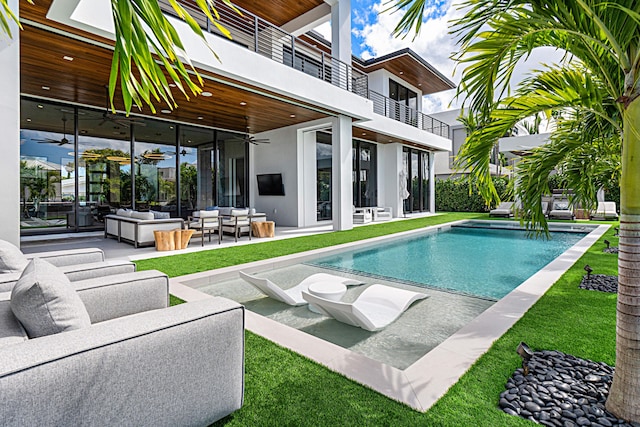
[118, 119]
[250, 138]
[62, 141]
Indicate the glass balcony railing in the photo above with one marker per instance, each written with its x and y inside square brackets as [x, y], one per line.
[266, 39]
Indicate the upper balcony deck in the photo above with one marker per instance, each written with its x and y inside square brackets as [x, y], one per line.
[256, 34]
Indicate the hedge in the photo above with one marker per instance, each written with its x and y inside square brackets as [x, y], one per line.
[453, 195]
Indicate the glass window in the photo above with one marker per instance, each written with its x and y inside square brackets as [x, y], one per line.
[231, 179]
[365, 190]
[425, 180]
[415, 182]
[197, 167]
[47, 172]
[155, 167]
[323, 173]
[104, 164]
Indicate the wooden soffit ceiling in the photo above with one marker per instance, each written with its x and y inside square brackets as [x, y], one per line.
[278, 12]
[45, 73]
[410, 68]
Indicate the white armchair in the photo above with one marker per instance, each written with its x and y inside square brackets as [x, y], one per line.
[382, 214]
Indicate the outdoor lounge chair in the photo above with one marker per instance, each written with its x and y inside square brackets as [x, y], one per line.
[560, 209]
[374, 309]
[293, 296]
[504, 209]
[605, 211]
[76, 264]
[129, 360]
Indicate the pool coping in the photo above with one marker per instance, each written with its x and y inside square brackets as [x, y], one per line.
[420, 385]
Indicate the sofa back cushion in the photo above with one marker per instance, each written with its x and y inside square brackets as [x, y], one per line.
[45, 303]
[141, 215]
[124, 212]
[160, 215]
[12, 260]
[239, 212]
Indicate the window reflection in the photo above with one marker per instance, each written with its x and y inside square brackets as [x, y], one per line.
[69, 185]
[155, 167]
[46, 138]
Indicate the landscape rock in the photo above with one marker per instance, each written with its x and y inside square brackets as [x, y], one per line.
[600, 282]
[561, 390]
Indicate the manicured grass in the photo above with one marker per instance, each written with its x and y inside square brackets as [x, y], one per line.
[284, 388]
[179, 265]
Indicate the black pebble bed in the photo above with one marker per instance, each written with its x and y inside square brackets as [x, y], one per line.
[561, 390]
[600, 282]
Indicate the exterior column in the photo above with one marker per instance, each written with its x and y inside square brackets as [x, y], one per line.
[341, 43]
[10, 125]
[432, 184]
[341, 170]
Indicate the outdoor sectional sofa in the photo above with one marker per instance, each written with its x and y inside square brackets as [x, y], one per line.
[135, 361]
[138, 227]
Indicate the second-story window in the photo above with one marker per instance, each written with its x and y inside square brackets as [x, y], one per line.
[406, 102]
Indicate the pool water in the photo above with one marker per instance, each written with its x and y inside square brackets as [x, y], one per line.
[482, 262]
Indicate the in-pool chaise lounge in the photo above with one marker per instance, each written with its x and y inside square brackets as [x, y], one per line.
[374, 309]
[293, 296]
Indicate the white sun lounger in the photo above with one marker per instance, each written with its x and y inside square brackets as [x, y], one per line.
[293, 296]
[374, 309]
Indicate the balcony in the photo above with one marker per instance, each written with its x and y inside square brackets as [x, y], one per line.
[262, 37]
[394, 110]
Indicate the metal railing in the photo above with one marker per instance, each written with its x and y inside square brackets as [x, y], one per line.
[272, 42]
[394, 110]
[266, 39]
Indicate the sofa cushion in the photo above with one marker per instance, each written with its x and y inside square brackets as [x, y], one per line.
[239, 212]
[160, 215]
[142, 215]
[45, 303]
[124, 212]
[12, 260]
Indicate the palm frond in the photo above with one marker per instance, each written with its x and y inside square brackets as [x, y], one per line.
[144, 63]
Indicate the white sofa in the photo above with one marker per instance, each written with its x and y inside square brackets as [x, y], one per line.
[137, 227]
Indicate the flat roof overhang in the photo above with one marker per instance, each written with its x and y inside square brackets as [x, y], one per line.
[410, 67]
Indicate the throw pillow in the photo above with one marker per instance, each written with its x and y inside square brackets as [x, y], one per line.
[12, 260]
[45, 303]
[561, 206]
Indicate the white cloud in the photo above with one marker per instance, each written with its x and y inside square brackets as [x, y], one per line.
[324, 30]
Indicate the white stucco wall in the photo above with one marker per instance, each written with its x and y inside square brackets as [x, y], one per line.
[279, 156]
[10, 125]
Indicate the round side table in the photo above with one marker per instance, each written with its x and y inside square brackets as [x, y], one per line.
[328, 290]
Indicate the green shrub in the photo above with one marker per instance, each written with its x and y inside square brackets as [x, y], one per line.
[453, 195]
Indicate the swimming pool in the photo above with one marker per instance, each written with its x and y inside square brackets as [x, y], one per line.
[487, 262]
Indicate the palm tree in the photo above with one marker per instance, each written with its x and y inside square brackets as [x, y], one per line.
[136, 54]
[603, 40]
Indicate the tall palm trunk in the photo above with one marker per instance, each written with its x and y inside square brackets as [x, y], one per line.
[624, 397]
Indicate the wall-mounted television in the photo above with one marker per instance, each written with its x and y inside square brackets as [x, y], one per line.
[270, 184]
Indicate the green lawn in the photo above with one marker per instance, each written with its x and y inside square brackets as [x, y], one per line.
[284, 388]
